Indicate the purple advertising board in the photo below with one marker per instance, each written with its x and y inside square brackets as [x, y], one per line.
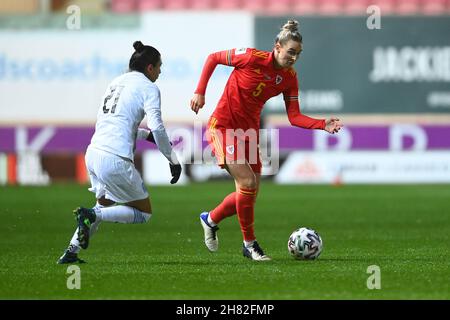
[54, 139]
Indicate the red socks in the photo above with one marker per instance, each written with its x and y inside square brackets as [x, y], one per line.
[245, 204]
[242, 203]
[224, 210]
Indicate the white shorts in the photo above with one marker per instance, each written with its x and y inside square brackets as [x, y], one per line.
[114, 177]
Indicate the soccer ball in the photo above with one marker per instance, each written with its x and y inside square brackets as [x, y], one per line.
[305, 244]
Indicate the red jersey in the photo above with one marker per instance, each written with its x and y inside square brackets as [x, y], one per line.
[253, 81]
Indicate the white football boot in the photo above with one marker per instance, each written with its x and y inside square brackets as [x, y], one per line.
[211, 239]
[255, 252]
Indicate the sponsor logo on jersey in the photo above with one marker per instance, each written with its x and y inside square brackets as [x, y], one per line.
[240, 51]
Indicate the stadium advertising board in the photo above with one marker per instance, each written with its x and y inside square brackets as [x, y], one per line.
[411, 144]
[366, 167]
[396, 137]
[345, 67]
[60, 76]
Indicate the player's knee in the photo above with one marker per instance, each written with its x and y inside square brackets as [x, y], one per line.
[248, 182]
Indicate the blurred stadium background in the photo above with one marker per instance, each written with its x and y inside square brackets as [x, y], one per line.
[388, 80]
[389, 83]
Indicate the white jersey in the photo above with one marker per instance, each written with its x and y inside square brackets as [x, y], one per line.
[127, 100]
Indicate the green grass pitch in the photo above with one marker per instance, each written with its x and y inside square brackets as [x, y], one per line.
[402, 229]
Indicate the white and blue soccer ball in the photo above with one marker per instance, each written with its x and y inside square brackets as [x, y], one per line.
[305, 244]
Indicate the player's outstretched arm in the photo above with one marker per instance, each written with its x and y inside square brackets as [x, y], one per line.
[333, 125]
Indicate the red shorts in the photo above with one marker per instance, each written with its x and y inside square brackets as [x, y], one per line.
[234, 145]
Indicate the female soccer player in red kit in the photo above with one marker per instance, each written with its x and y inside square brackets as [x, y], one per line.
[257, 77]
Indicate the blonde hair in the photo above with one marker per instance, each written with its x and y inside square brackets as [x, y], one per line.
[289, 32]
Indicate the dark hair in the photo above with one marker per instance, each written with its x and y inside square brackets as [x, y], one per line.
[289, 32]
[143, 56]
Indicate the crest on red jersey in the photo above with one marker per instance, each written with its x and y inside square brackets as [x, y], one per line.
[230, 149]
[278, 79]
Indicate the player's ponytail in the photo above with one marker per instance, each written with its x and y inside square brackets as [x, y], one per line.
[138, 46]
[143, 56]
[289, 32]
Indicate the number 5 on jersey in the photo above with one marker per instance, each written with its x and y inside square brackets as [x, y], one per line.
[112, 103]
[259, 89]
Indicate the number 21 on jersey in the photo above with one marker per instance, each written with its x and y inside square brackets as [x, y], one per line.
[112, 103]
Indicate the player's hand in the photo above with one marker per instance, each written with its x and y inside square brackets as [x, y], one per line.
[197, 102]
[175, 170]
[333, 125]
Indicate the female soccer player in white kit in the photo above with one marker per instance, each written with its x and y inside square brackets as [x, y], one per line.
[109, 157]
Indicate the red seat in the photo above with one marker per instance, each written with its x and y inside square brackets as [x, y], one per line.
[433, 7]
[304, 7]
[145, 5]
[228, 4]
[330, 7]
[254, 5]
[357, 7]
[407, 6]
[386, 6]
[201, 4]
[175, 4]
[279, 7]
[123, 6]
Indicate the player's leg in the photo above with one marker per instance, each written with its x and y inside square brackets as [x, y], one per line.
[247, 185]
[218, 139]
[227, 207]
[103, 202]
[93, 159]
[245, 181]
[210, 220]
[136, 211]
[125, 186]
[70, 255]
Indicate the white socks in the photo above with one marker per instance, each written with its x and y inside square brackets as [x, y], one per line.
[210, 222]
[122, 214]
[249, 244]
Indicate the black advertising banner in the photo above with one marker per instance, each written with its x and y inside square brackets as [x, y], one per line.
[347, 66]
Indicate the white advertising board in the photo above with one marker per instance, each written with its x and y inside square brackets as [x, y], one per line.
[366, 167]
[156, 169]
[59, 76]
